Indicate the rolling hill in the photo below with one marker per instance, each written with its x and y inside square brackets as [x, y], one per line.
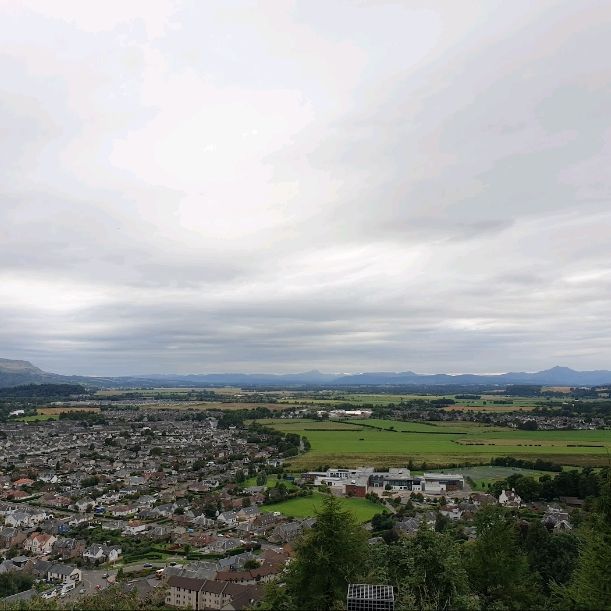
[16, 372]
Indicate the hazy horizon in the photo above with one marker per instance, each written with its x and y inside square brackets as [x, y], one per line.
[281, 186]
[313, 370]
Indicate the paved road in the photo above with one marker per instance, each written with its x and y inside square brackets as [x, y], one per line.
[139, 566]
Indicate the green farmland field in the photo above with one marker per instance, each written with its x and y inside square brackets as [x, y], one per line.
[484, 475]
[304, 507]
[37, 418]
[357, 443]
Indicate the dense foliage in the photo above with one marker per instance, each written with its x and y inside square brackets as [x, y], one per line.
[513, 563]
[13, 583]
[45, 391]
[580, 484]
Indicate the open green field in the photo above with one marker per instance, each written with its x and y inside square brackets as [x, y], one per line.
[38, 418]
[305, 507]
[484, 403]
[484, 475]
[272, 479]
[357, 443]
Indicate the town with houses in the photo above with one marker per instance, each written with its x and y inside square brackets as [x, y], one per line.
[183, 509]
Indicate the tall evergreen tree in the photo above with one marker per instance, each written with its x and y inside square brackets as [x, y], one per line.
[328, 557]
[552, 556]
[590, 587]
[429, 572]
[498, 569]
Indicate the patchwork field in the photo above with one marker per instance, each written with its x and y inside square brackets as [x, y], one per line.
[486, 403]
[394, 443]
[304, 507]
[491, 407]
[212, 405]
[54, 411]
[206, 405]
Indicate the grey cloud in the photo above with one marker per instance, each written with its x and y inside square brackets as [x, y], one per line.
[207, 187]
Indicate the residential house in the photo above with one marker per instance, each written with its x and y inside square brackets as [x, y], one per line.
[76, 520]
[102, 553]
[453, 512]
[39, 544]
[10, 537]
[222, 545]
[123, 510]
[40, 568]
[56, 500]
[408, 526]
[509, 498]
[24, 481]
[482, 499]
[19, 519]
[556, 519]
[248, 514]
[85, 504]
[235, 562]
[113, 525]
[135, 527]
[159, 531]
[203, 521]
[166, 510]
[64, 573]
[227, 518]
[289, 531]
[261, 574]
[8, 566]
[69, 548]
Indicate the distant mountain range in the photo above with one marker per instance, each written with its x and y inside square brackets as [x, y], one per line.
[14, 373]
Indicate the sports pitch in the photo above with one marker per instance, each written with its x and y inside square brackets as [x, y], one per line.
[303, 507]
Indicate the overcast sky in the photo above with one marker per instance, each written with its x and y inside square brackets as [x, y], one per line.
[276, 186]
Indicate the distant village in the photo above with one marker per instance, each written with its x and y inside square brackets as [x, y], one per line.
[526, 420]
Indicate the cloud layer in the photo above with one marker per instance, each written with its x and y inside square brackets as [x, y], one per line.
[276, 186]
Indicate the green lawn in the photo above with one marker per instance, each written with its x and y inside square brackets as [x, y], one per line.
[38, 418]
[354, 444]
[484, 475]
[303, 507]
[271, 482]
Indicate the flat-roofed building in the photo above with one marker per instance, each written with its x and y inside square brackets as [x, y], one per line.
[442, 482]
[397, 479]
